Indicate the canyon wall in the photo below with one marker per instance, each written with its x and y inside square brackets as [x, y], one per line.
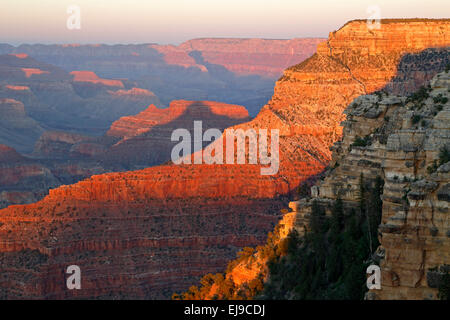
[22, 180]
[235, 71]
[145, 138]
[263, 57]
[80, 102]
[404, 141]
[17, 129]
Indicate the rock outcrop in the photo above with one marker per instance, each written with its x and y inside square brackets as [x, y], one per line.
[91, 77]
[17, 129]
[141, 140]
[235, 71]
[80, 102]
[22, 180]
[405, 141]
[263, 57]
[145, 139]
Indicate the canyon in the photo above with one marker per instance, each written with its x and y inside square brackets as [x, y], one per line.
[78, 102]
[234, 71]
[145, 139]
[152, 232]
[71, 100]
[407, 146]
[133, 142]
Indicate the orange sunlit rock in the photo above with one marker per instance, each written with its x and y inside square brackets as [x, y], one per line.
[32, 71]
[89, 76]
[17, 88]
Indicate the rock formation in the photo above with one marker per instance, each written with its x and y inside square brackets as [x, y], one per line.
[22, 180]
[146, 137]
[317, 91]
[235, 71]
[17, 129]
[405, 141]
[91, 77]
[263, 57]
[80, 102]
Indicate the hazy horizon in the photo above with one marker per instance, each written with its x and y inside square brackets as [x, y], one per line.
[176, 21]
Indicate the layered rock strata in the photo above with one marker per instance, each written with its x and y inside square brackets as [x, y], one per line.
[406, 142]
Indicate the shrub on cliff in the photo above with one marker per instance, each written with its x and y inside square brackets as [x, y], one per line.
[221, 286]
[362, 142]
[440, 99]
[416, 118]
[444, 287]
[444, 155]
[420, 95]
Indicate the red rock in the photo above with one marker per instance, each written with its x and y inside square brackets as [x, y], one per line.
[145, 139]
[20, 55]
[17, 88]
[8, 154]
[32, 71]
[89, 76]
[133, 92]
[131, 126]
[173, 55]
[267, 58]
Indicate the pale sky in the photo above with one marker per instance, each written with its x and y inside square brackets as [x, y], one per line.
[175, 21]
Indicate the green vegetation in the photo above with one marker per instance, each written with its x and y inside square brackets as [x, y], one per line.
[304, 190]
[380, 94]
[433, 167]
[447, 68]
[362, 142]
[444, 157]
[331, 260]
[440, 99]
[416, 118]
[420, 95]
[444, 287]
